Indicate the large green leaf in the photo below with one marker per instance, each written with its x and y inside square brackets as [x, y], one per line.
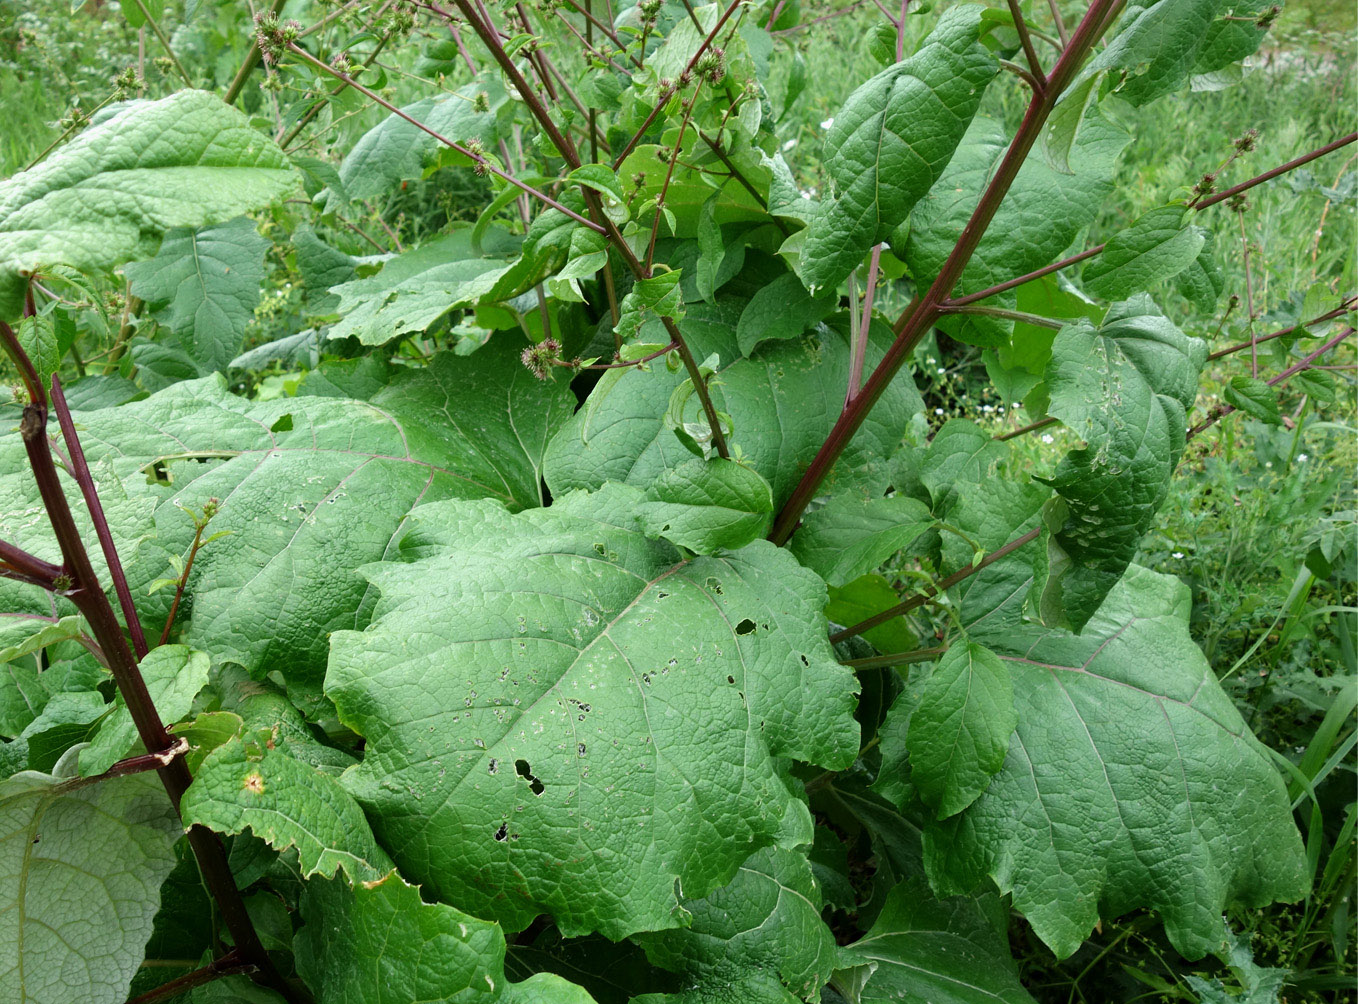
[783, 400]
[80, 873]
[891, 141]
[1041, 216]
[944, 952]
[209, 280]
[1124, 388]
[759, 939]
[1157, 45]
[1131, 781]
[110, 193]
[561, 716]
[310, 488]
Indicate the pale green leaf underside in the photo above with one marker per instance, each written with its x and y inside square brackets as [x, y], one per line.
[110, 193]
[1131, 782]
[892, 140]
[563, 717]
[80, 876]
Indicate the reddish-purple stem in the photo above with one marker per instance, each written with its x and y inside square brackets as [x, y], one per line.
[80, 470]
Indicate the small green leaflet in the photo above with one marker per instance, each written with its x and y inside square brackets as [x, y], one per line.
[959, 732]
[879, 173]
[108, 195]
[208, 280]
[1254, 397]
[80, 873]
[1157, 246]
[395, 149]
[659, 295]
[707, 505]
[780, 310]
[850, 535]
[415, 289]
[1131, 781]
[577, 671]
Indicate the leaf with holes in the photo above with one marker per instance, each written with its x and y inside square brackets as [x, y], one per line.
[577, 673]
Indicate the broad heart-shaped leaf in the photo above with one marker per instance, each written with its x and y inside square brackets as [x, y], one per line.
[891, 141]
[561, 716]
[1124, 388]
[920, 948]
[80, 872]
[759, 939]
[1131, 781]
[850, 536]
[209, 278]
[1156, 246]
[1042, 214]
[783, 401]
[707, 505]
[174, 674]
[395, 150]
[106, 196]
[960, 730]
[310, 488]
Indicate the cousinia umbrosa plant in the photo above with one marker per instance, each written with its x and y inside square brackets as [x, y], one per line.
[530, 647]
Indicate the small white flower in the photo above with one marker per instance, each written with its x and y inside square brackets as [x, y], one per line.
[1268, 463]
[828, 122]
[1047, 439]
[942, 370]
[1178, 554]
[789, 145]
[1018, 404]
[938, 411]
[986, 409]
[1301, 458]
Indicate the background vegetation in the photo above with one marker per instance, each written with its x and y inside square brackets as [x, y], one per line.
[1262, 528]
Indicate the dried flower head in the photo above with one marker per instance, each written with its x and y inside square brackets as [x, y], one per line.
[537, 358]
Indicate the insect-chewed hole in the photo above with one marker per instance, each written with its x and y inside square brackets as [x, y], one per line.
[745, 627]
[522, 768]
[283, 424]
[502, 832]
